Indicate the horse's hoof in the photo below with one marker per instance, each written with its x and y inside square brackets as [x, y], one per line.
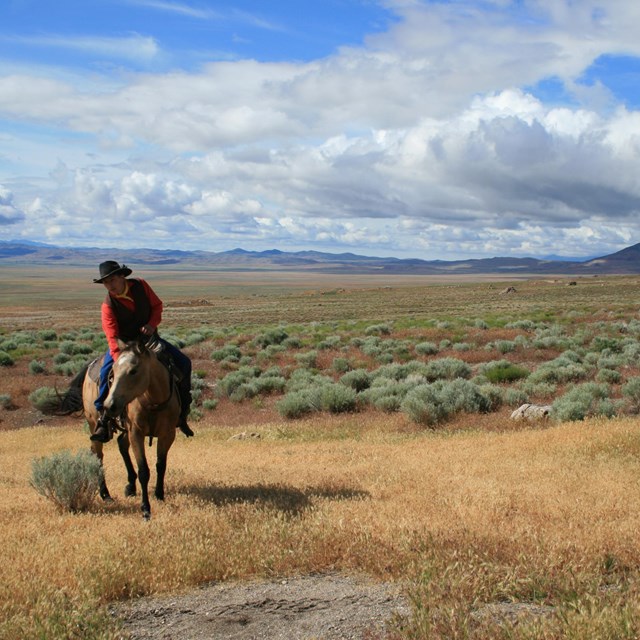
[129, 491]
[107, 499]
[146, 515]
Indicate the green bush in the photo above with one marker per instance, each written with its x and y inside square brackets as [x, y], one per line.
[387, 395]
[5, 401]
[341, 365]
[232, 381]
[502, 371]
[610, 376]
[272, 336]
[447, 369]
[337, 398]
[426, 348]
[378, 329]
[564, 368]
[42, 397]
[70, 482]
[583, 400]
[36, 366]
[6, 360]
[228, 352]
[307, 359]
[296, 404]
[431, 404]
[631, 391]
[358, 379]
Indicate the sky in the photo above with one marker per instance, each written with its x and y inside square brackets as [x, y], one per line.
[433, 129]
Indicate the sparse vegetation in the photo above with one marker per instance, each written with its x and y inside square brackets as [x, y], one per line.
[375, 455]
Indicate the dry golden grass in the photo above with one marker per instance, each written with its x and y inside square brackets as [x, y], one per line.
[542, 515]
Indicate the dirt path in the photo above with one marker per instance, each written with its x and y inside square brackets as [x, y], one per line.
[327, 607]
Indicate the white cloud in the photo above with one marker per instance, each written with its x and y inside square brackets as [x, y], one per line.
[133, 47]
[9, 213]
[420, 142]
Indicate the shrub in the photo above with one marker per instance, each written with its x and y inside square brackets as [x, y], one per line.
[70, 482]
[47, 335]
[505, 346]
[272, 336]
[358, 379]
[210, 404]
[340, 365]
[43, 397]
[610, 376]
[515, 397]
[229, 351]
[307, 359]
[5, 401]
[337, 398]
[430, 404]
[331, 342]
[6, 360]
[378, 329]
[36, 366]
[631, 391]
[232, 381]
[447, 368]
[565, 368]
[502, 371]
[296, 404]
[426, 348]
[588, 399]
[387, 395]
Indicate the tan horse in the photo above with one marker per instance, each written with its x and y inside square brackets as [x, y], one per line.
[144, 400]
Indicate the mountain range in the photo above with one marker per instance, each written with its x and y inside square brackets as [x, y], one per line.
[626, 261]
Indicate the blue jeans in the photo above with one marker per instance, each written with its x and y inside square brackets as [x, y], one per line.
[180, 360]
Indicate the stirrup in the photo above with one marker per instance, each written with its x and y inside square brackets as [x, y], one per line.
[104, 430]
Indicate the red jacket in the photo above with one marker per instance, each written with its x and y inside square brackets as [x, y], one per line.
[110, 322]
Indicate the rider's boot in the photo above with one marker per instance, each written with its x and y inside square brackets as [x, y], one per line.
[184, 427]
[104, 430]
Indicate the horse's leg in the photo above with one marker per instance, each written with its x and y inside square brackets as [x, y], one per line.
[89, 394]
[136, 437]
[96, 447]
[165, 440]
[123, 447]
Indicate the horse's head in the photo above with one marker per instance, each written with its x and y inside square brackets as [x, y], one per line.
[131, 376]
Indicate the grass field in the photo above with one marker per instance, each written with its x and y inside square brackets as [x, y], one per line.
[471, 517]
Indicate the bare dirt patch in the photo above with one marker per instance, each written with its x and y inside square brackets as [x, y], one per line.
[327, 607]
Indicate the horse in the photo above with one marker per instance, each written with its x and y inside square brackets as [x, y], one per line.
[144, 402]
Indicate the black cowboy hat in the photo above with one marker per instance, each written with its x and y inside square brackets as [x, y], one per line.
[111, 268]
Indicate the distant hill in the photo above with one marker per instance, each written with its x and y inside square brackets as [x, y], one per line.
[626, 261]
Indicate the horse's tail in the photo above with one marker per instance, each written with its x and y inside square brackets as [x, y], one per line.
[64, 404]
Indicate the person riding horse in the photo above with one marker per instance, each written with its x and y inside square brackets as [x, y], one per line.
[131, 309]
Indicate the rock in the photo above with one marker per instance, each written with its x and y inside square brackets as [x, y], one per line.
[246, 436]
[532, 412]
[508, 290]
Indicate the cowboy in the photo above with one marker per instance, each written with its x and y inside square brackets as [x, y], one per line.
[131, 310]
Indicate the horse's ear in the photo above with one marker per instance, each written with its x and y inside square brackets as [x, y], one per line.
[140, 345]
[121, 345]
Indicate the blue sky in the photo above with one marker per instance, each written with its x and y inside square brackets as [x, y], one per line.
[408, 128]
